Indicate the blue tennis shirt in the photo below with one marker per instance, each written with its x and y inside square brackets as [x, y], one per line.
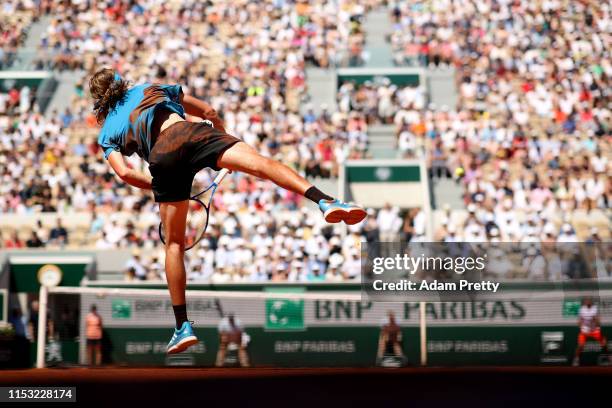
[127, 128]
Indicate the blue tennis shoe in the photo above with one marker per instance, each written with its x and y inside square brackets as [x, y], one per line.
[182, 339]
[336, 211]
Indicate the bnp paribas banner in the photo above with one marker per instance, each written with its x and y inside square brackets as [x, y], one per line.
[284, 314]
[338, 332]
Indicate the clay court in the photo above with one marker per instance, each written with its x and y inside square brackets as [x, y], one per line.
[506, 386]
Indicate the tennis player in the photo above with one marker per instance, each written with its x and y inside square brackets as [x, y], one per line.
[151, 120]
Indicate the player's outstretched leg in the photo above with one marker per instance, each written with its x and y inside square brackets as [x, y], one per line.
[174, 218]
[242, 157]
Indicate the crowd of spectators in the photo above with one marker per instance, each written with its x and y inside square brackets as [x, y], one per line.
[38, 237]
[286, 246]
[246, 58]
[15, 19]
[379, 100]
[248, 61]
[529, 141]
[187, 31]
[258, 246]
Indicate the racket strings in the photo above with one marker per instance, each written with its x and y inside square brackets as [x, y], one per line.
[197, 218]
[198, 213]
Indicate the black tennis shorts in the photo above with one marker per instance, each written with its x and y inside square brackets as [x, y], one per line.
[179, 152]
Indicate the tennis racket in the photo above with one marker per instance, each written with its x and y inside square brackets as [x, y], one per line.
[198, 213]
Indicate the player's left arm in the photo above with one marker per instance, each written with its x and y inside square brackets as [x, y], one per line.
[196, 107]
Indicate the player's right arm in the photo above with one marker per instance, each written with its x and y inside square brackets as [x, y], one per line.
[127, 174]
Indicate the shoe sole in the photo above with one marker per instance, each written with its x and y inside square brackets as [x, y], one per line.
[183, 345]
[353, 216]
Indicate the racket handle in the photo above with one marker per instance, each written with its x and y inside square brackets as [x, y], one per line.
[221, 176]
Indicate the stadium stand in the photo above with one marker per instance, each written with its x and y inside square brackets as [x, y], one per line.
[528, 142]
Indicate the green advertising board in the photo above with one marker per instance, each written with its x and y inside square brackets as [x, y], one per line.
[42, 83]
[399, 76]
[122, 309]
[283, 332]
[571, 307]
[284, 314]
[383, 173]
[375, 183]
[24, 270]
[18, 79]
[357, 346]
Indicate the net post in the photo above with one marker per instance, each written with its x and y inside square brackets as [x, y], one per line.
[423, 332]
[42, 327]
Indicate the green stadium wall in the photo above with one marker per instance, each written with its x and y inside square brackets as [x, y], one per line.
[345, 333]
[357, 346]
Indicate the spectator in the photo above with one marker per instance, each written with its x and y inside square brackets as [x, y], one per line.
[58, 234]
[389, 223]
[34, 241]
[351, 269]
[535, 265]
[13, 242]
[130, 275]
[135, 264]
[333, 274]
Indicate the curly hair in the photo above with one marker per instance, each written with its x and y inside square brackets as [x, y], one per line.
[107, 91]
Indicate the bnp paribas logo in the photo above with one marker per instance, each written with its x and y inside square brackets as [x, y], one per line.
[571, 308]
[383, 173]
[284, 314]
[121, 309]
